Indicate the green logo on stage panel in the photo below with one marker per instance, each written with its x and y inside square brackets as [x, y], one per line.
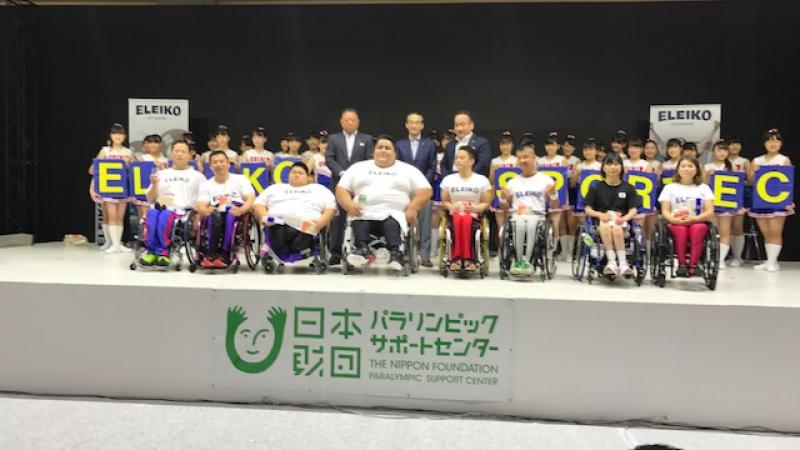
[254, 349]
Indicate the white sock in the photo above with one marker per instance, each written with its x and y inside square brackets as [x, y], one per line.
[773, 251]
[737, 245]
[564, 244]
[112, 237]
[723, 252]
[611, 256]
[106, 237]
[621, 257]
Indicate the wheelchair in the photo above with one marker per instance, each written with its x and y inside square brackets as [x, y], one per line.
[543, 256]
[663, 258]
[480, 247]
[588, 253]
[181, 236]
[409, 246]
[246, 237]
[272, 262]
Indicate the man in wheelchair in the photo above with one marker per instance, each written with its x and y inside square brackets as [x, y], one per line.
[171, 193]
[382, 197]
[528, 195]
[293, 213]
[465, 196]
[613, 202]
[221, 200]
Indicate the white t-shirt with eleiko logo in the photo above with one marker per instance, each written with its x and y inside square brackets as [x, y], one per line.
[529, 193]
[233, 190]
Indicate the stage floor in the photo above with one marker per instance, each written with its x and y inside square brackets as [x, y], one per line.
[54, 263]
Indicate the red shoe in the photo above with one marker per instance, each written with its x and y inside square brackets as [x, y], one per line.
[219, 263]
[206, 263]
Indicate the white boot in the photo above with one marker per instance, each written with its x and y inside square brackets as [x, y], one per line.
[106, 238]
[737, 245]
[723, 253]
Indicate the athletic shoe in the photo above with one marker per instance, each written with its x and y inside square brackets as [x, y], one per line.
[722, 265]
[762, 266]
[219, 263]
[148, 259]
[111, 249]
[106, 245]
[334, 260]
[682, 271]
[611, 268]
[396, 261]
[523, 268]
[359, 257]
[123, 249]
[517, 268]
[625, 270]
[207, 263]
[163, 261]
[695, 271]
[426, 263]
[774, 267]
[735, 262]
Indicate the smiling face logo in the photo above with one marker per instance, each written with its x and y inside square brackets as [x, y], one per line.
[257, 354]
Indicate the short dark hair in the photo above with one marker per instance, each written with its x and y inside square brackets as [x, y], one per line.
[387, 137]
[347, 110]
[218, 152]
[689, 146]
[772, 133]
[674, 142]
[181, 141]
[470, 151]
[301, 164]
[464, 112]
[635, 142]
[590, 143]
[612, 158]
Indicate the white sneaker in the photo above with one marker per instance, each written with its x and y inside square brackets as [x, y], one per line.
[568, 257]
[762, 266]
[611, 268]
[395, 266]
[735, 262]
[774, 267]
[111, 249]
[722, 265]
[106, 245]
[123, 249]
[625, 270]
[356, 260]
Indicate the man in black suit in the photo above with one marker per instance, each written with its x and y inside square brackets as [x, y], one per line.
[344, 149]
[420, 152]
[463, 126]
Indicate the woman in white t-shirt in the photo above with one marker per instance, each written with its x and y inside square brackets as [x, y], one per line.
[687, 204]
[771, 222]
[528, 196]
[294, 212]
[465, 196]
[113, 208]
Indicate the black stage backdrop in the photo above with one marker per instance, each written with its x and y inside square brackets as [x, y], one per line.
[586, 68]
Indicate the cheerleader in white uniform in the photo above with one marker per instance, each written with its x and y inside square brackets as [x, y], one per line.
[570, 222]
[771, 222]
[720, 162]
[259, 153]
[113, 208]
[506, 160]
[636, 163]
[590, 162]
[742, 165]
[553, 159]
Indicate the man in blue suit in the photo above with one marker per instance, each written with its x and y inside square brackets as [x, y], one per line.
[344, 149]
[420, 152]
[463, 126]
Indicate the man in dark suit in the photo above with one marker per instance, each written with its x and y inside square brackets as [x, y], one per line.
[420, 152]
[344, 149]
[463, 126]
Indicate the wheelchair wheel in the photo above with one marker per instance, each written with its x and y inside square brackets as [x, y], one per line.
[319, 266]
[192, 230]
[132, 266]
[251, 241]
[506, 250]
[549, 246]
[444, 251]
[711, 263]
[484, 267]
[268, 264]
[580, 256]
[412, 249]
[640, 255]
[659, 254]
